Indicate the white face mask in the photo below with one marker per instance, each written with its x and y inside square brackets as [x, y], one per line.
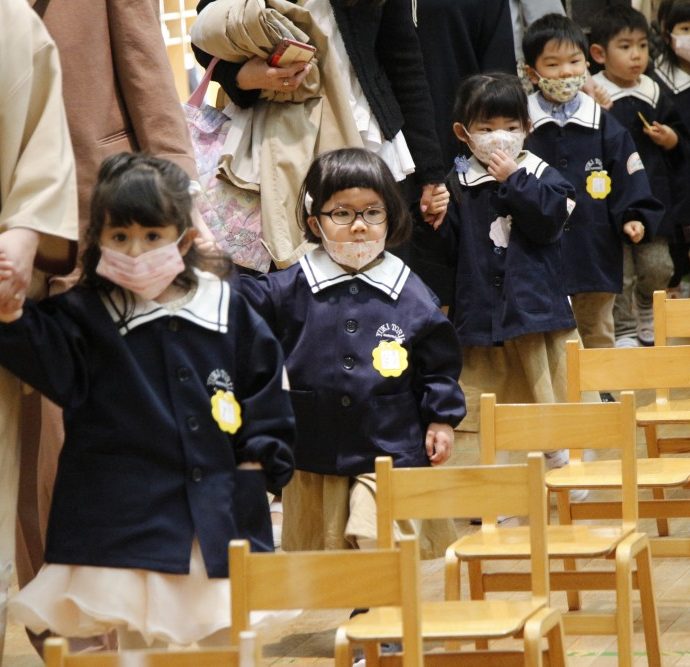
[148, 274]
[561, 90]
[486, 143]
[353, 254]
[681, 46]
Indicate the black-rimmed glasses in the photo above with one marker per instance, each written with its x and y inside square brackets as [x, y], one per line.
[345, 215]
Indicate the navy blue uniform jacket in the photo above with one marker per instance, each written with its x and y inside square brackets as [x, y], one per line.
[592, 140]
[661, 165]
[329, 322]
[145, 468]
[508, 287]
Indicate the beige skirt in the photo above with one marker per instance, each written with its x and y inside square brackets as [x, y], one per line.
[337, 512]
[527, 369]
[84, 601]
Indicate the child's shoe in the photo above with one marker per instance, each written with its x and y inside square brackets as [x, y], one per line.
[645, 326]
[627, 341]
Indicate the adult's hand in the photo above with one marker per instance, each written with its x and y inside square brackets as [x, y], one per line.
[256, 74]
[17, 249]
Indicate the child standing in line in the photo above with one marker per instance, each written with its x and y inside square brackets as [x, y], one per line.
[597, 155]
[176, 422]
[620, 42]
[502, 229]
[672, 70]
[372, 361]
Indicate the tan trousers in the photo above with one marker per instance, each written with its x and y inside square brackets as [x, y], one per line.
[594, 317]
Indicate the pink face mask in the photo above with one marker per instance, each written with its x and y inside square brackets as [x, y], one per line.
[148, 274]
[353, 254]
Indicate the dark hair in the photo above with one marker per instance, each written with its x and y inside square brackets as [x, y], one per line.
[153, 192]
[346, 168]
[485, 96]
[551, 26]
[609, 22]
[670, 13]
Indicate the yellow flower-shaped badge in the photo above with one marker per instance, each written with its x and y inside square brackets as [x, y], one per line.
[226, 411]
[390, 358]
[598, 184]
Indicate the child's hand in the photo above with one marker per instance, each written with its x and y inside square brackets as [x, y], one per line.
[434, 203]
[597, 92]
[662, 135]
[501, 166]
[439, 443]
[634, 229]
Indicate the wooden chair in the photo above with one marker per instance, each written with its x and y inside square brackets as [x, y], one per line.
[411, 493]
[385, 580]
[671, 320]
[529, 427]
[246, 654]
[605, 369]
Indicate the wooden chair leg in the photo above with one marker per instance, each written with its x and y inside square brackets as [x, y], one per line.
[624, 614]
[343, 649]
[451, 573]
[546, 623]
[565, 518]
[474, 575]
[650, 618]
[650, 436]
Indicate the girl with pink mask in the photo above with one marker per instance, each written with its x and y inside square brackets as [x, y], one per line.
[372, 361]
[176, 422]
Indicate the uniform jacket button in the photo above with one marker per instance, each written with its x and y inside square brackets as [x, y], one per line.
[193, 423]
[354, 288]
[348, 362]
[351, 326]
[196, 474]
[345, 401]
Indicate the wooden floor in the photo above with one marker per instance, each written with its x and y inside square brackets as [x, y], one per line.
[308, 638]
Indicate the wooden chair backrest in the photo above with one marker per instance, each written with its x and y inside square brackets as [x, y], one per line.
[671, 320]
[246, 654]
[330, 580]
[607, 369]
[574, 426]
[467, 491]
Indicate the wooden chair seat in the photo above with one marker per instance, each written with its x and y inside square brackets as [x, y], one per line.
[464, 620]
[607, 474]
[664, 411]
[562, 541]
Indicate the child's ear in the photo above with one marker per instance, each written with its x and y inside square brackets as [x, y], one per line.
[598, 53]
[460, 132]
[532, 74]
[187, 240]
[312, 221]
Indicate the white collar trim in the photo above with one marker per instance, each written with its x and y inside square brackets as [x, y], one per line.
[588, 113]
[477, 173]
[388, 276]
[646, 90]
[208, 307]
[675, 78]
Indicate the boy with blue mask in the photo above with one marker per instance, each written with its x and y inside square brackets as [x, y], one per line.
[620, 42]
[597, 155]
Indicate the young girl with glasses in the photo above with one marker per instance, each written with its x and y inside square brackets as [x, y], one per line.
[373, 363]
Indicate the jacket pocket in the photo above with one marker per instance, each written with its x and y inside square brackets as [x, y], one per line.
[395, 424]
[250, 507]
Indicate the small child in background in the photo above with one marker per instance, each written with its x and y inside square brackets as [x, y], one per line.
[593, 151]
[372, 361]
[619, 41]
[672, 70]
[502, 229]
[176, 422]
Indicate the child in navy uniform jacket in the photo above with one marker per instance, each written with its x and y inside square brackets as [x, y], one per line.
[672, 70]
[620, 42]
[372, 361]
[597, 155]
[176, 422]
[507, 213]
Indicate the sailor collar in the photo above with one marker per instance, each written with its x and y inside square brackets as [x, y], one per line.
[388, 276]
[588, 114]
[646, 90]
[477, 174]
[208, 308]
[675, 78]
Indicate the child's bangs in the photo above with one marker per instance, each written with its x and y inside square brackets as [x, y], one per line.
[137, 198]
[497, 100]
[679, 13]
